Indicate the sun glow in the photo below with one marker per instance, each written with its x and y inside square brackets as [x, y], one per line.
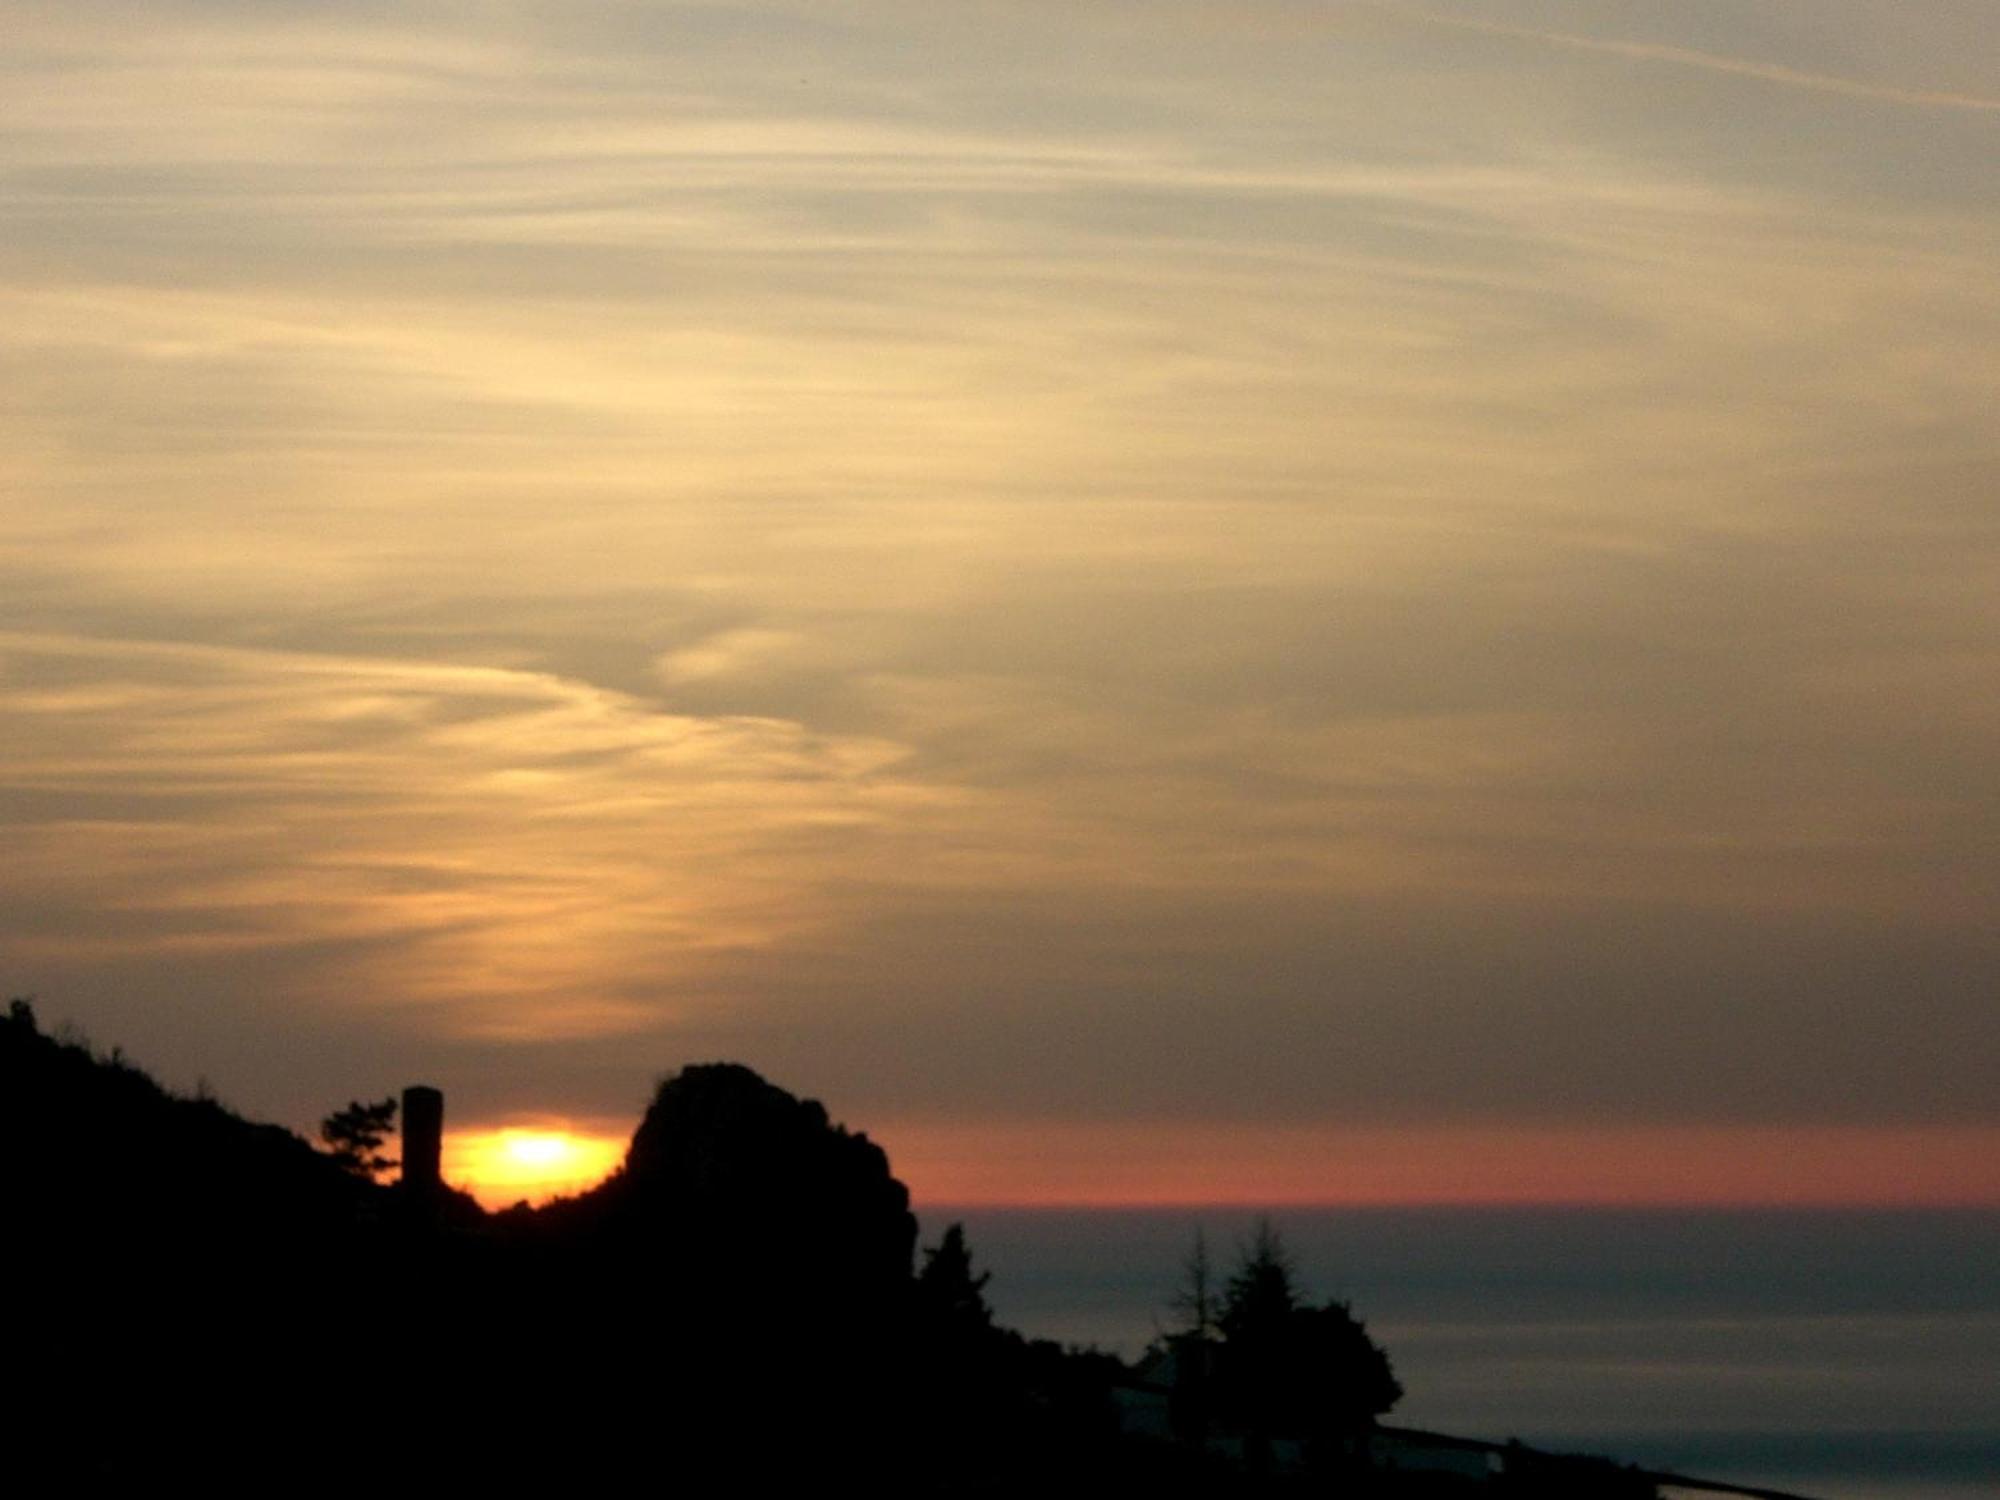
[535, 1162]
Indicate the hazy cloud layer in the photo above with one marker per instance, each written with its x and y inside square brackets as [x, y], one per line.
[1331, 562]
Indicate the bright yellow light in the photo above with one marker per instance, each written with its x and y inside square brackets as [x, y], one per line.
[503, 1166]
[536, 1150]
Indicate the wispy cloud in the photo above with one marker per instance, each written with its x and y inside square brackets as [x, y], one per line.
[524, 845]
[1044, 560]
[1688, 57]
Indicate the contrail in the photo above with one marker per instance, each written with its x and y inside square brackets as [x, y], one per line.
[1687, 57]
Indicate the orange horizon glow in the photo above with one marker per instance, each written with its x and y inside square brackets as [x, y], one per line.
[1140, 1166]
[1068, 1164]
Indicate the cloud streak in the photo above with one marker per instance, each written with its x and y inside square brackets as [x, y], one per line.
[1712, 62]
[1085, 567]
[514, 844]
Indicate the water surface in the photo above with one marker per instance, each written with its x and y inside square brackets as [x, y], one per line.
[1847, 1354]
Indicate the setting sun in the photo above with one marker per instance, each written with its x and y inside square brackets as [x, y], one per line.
[506, 1165]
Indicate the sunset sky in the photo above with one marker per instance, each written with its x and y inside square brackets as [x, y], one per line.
[1293, 600]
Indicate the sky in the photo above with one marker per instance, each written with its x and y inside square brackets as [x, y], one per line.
[1302, 600]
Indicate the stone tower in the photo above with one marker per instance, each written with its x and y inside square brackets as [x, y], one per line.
[423, 1137]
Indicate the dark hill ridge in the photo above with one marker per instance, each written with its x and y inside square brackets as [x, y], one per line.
[726, 1170]
[207, 1298]
[113, 1148]
[203, 1298]
[746, 1220]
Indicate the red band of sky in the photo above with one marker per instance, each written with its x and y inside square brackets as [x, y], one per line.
[1697, 1166]
[1067, 1164]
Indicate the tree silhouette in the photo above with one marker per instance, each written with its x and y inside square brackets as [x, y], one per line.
[1263, 1293]
[953, 1296]
[1197, 1301]
[1287, 1368]
[1194, 1344]
[1346, 1378]
[354, 1136]
[1259, 1367]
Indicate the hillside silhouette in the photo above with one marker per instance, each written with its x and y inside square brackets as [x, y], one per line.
[733, 1184]
[208, 1298]
[199, 1297]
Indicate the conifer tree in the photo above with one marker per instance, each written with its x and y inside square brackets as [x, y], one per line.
[1197, 1302]
[354, 1136]
[956, 1297]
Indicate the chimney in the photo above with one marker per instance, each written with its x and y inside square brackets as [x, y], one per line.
[423, 1137]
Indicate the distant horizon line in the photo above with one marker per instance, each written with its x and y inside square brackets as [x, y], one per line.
[1465, 1205]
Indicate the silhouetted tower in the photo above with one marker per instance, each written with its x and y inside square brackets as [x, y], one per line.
[423, 1137]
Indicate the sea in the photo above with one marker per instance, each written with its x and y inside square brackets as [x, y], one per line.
[1843, 1355]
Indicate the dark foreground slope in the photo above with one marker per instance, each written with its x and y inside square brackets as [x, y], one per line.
[192, 1297]
[195, 1295]
[202, 1298]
